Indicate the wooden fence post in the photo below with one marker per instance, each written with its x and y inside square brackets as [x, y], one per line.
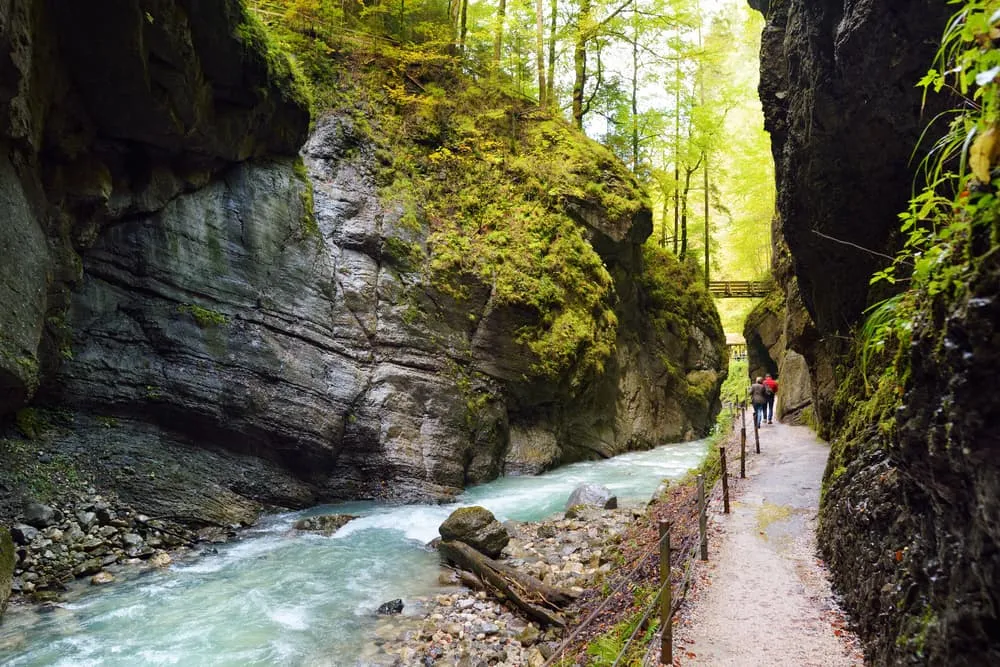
[702, 518]
[756, 434]
[725, 481]
[666, 598]
[743, 453]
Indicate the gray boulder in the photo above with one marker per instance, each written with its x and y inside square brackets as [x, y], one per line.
[328, 524]
[592, 495]
[477, 527]
[40, 516]
[23, 533]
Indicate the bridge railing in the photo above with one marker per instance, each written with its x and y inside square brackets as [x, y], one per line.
[740, 289]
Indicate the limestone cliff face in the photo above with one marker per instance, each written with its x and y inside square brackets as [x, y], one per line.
[108, 111]
[906, 515]
[216, 324]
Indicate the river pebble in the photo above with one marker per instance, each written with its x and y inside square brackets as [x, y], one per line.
[469, 628]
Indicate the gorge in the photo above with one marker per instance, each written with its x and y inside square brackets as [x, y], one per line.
[203, 323]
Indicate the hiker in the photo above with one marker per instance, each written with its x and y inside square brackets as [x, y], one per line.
[771, 390]
[758, 397]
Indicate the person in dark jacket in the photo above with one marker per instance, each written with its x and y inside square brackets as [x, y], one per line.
[758, 398]
[771, 387]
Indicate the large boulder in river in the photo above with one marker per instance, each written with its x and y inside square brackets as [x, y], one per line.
[477, 527]
[327, 524]
[592, 495]
[7, 559]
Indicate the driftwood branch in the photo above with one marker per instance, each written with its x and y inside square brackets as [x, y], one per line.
[537, 600]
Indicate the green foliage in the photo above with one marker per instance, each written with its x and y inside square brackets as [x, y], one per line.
[30, 422]
[610, 647]
[281, 69]
[674, 296]
[204, 317]
[953, 219]
[734, 389]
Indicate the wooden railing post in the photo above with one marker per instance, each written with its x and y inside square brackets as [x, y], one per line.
[756, 433]
[666, 598]
[702, 518]
[743, 452]
[725, 481]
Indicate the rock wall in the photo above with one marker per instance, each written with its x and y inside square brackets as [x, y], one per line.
[206, 323]
[908, 518]
[108, 110]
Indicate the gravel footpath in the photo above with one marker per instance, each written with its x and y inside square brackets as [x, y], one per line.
[764, 597]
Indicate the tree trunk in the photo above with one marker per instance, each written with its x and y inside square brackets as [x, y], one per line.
[663, 221]
[550, 84]
[684, 211]
[580, 62]
[536, 599]
[498, 36]
[705, 179]
[463, 25]
[540, 49]
[677, 143]
[635, 90]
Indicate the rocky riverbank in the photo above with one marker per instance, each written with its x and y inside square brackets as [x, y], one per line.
[464, 626]
[89, 536]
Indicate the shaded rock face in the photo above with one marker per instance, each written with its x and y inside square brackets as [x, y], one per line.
[109, 110]
[909, 524]
[838, 89]
[929, 500]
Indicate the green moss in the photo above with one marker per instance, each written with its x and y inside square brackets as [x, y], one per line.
[309, 226]
[30, 422]
[913, 638]
[7, 560]
[404, 255]
[282, 70]
[204, 317]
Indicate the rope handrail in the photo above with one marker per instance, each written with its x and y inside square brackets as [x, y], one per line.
[627, 579]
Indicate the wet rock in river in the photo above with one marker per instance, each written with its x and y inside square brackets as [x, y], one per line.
[327, 524]
[390, 608]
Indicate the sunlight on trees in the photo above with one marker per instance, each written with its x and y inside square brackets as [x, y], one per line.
[668, 85]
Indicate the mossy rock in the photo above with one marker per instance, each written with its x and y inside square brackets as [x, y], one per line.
[7, 559]
[477, 527]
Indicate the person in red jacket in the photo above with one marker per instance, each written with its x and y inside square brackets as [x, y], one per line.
[772, 389]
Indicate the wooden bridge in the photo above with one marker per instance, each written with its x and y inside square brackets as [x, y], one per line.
[740, 289]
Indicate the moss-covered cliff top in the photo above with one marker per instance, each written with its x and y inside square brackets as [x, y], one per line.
[507, 195]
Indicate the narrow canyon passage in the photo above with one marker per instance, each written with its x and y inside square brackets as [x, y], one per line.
[763, 597]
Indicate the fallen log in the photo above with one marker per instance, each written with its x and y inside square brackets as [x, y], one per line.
[536, 599]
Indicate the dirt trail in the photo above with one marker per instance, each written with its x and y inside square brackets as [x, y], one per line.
[763, 598]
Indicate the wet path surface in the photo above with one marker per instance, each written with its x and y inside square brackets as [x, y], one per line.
[763, 597]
